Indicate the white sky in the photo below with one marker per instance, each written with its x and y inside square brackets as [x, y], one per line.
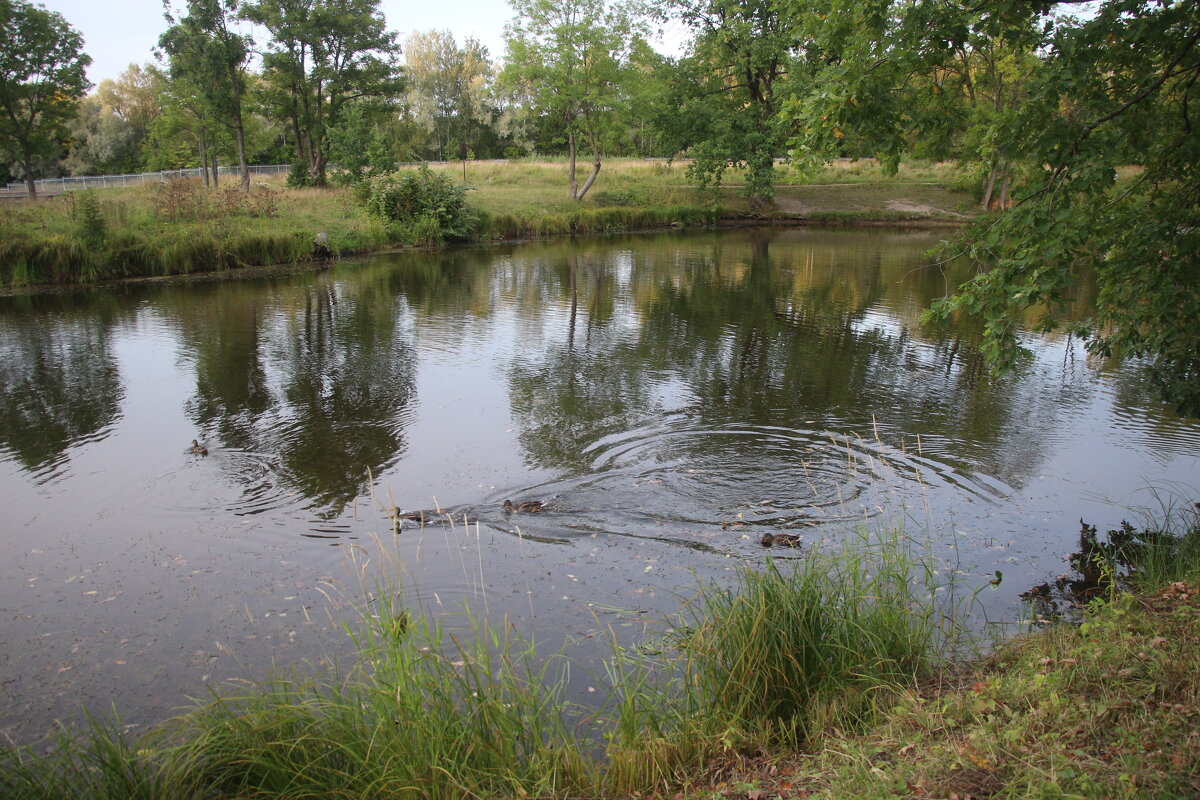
[117, 33]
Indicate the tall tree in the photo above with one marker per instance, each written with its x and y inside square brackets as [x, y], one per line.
[114, 122]
[727, 94]
[323, 55]
[207, 51]
[1103, 153]
[567, 58]
[42, 77]
[448, 87]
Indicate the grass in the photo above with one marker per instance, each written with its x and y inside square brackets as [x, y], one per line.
[180, 228]
[819, 680]
[1102, 709]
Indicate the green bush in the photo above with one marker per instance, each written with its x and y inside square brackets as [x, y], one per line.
[427, 204]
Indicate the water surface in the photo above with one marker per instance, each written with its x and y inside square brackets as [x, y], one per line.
[672, 398]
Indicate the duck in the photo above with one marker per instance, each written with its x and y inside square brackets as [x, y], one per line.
[781, 539]
[198, 449]
[528, 506]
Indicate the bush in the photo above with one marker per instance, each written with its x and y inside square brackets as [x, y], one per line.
[299, 176]
[428, 204]
[92, 227]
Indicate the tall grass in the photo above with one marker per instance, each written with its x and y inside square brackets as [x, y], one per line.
[790, 651]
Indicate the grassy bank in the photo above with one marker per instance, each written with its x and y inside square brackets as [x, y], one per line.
[823, 679]
[182, 228]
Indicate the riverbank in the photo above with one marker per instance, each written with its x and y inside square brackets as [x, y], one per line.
[825, 678]
[183, 229]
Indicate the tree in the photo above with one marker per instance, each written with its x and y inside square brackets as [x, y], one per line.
[727, 95]
[42, 77]
[113, 123]
[448, 87]
[567, 59]
[322, 56]
[1104, 149]
[209, 54]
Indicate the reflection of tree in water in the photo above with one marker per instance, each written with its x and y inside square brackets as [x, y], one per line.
[770, 329]
[59, 382]
[320, 378]
[348, 378]
[589, 382]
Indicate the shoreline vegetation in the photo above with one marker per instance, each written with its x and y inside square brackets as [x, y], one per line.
[180, 228]
[840, 675]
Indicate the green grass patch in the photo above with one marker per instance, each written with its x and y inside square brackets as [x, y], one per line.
[181, 227]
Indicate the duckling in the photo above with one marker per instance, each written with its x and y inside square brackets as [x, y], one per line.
[528, 506]
[781, 539]
[199, 449]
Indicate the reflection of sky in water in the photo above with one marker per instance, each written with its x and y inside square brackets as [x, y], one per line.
[696, 392]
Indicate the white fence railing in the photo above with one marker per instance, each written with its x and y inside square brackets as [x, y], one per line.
[52, 186]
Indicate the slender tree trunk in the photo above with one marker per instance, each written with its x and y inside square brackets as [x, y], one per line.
[571, 182]
[30, 184]
[988, 186]
[243, 165]
[1003, 203]
[595, 166]
[203, 145]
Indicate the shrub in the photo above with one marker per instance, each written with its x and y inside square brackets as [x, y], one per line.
[92, 228]
[299, 176]
[428, 204]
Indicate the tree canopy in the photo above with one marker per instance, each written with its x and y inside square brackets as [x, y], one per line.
[566, 58]
[42, 76]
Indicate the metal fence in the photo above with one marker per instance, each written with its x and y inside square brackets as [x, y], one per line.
[53, 186]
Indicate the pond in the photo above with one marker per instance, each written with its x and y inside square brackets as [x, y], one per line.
[670, 398]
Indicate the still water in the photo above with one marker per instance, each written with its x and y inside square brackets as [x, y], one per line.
[672, 398]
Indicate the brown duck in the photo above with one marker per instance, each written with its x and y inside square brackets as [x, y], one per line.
[781, 539]
[198, 449]
[528, 506]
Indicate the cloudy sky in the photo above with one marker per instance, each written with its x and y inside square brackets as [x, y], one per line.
[117, 34]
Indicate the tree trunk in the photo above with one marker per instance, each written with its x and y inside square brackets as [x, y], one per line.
[30, 184]
[595, 167]
[988, 186]
[203, 146]
[243, 165]
[1003, 204]
[571, 182]
[216, 170]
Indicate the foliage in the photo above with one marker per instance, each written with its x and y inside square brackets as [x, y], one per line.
[724, 102]
[566, 60]
[42, 66]
[92, 228]
[1049, 108]
[427, 202]
[449, 89]
[111, 128]
[208, 57]
[323, 56]
[359, 146]
[1118, 89]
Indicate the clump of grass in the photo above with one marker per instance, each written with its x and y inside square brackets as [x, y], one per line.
[790, 651]
[102, 764]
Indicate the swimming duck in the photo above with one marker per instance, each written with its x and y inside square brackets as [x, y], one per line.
[781, 539]
[199, 449]
[528, 506]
